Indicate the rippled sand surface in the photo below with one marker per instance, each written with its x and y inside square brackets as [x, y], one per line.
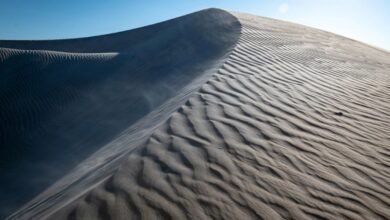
[71, 110]
[294, 125]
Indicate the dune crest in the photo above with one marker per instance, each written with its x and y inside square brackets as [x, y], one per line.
[61, 101]
[263, 138]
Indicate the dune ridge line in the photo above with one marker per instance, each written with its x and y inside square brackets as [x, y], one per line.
[293, 125]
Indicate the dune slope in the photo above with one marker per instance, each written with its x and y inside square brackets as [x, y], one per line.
[294, 125]
[62, 100]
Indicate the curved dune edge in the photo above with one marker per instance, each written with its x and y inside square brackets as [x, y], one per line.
[295, 124]
[93, 100]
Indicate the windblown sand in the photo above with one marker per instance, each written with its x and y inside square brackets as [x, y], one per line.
[294, 125]
[61, 101]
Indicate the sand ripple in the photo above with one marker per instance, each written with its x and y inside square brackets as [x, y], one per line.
[263, 138]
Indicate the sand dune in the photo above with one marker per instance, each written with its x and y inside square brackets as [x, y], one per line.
[295, 124]
[62, 100]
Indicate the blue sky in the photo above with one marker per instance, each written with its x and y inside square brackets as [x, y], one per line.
[364, 20]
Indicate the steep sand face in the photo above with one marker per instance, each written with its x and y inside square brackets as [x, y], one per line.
[295, 124]
[62, 100]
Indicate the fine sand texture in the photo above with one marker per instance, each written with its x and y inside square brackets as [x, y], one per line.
[295, 124]
[62, 100]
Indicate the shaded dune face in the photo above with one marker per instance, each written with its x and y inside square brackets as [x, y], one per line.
[61, 100]
[264, 138]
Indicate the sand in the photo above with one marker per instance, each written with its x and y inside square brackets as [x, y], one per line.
[63, 100]
[294, 124]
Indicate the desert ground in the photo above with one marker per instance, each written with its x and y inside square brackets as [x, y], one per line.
[213, 115]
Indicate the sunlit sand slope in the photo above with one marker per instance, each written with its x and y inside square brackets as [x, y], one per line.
[264, 138]
[294, 125]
